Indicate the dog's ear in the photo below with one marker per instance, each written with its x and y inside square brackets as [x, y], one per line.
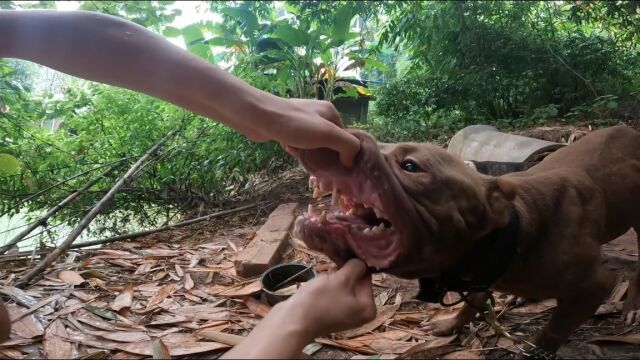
[500, 192]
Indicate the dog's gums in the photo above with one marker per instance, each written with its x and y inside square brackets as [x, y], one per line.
[363, 220]
[355, 225]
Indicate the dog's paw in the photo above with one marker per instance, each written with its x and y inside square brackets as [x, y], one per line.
[444, 327]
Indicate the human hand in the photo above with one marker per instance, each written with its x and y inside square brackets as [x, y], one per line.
[333, 302]
[304, 124]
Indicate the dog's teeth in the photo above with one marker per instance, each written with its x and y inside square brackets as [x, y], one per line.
[323, 217]
[316, 193]
[351, 212]
[377, 229]
[311, 210]
[313, 181]
[334, 197]
[366, 231]
[378, 213]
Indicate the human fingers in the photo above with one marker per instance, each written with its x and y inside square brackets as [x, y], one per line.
[351, 272]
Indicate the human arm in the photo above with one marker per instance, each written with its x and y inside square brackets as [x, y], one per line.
[329, 303]
[117, 52]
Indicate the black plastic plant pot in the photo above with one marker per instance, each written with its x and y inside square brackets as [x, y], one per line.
[272, 280]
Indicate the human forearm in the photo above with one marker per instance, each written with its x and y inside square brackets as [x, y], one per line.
[113, 51]
[281, 335]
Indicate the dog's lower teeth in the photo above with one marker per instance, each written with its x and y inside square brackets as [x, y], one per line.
[366, 231]
[323, 217]
[316, 193]
[351, 212]
[378, 229]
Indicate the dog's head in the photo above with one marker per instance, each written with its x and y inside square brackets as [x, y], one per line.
[410, 209]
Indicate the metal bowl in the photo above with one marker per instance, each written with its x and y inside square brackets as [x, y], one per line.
[279, 273]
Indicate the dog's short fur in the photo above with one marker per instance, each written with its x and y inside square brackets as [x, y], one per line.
[578, 198]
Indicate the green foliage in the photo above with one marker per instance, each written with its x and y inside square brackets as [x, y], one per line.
[102, 125]
[9, 165]
[513, 63]
[444, 65]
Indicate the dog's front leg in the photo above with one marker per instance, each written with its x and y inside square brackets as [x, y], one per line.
[466, 315]
[575, 307]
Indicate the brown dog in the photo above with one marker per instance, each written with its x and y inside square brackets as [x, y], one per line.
[416, 211]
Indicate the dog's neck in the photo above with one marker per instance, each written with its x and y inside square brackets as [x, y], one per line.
[481, 267]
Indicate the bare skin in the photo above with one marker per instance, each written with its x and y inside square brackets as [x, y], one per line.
[113, 51]
[330, 303]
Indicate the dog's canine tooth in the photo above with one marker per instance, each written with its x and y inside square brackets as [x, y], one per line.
[334, 197]
[316, 193]
[351, 212]
[366, 231]
[323, 217]
[311, 210]
[377, 229]
[378, 213]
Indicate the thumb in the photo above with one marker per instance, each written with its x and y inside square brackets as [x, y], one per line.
[348, 147]
[351, 272]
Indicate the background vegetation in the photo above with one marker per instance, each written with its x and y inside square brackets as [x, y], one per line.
[435, 67]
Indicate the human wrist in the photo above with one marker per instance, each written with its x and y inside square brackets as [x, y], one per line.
[294, 321]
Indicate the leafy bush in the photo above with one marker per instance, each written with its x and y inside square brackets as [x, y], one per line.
[505, 63]
[202, 165]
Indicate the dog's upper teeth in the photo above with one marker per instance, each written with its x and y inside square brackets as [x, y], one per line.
[378, 229]
[351, 211]
[378, 213]
[311, 209]
[323, 217]
[366, 231]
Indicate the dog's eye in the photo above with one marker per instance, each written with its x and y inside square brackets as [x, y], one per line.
[409, 166]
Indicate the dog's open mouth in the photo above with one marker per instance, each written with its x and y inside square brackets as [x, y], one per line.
[353, 224]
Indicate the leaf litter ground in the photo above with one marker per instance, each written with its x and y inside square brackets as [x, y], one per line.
[176, 293]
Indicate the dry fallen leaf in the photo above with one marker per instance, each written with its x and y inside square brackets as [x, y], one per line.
[160, 253]
[355, 346]
[179, 271]
[240, 290]
[535, 307]
[124, 299]
[202, 312]
[188, 282]
[390, 346]
[257, 307]
[159, 349]
[54, 344]
[70, 277]
[10, 354]
[28, 326]
[120, 336]
[432, 348]
[384, 314]
[225, 338]
[159, 275]
[464, 354]
[628, 339]
[160, 295]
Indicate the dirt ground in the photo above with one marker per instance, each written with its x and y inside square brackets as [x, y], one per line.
[180, 286]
